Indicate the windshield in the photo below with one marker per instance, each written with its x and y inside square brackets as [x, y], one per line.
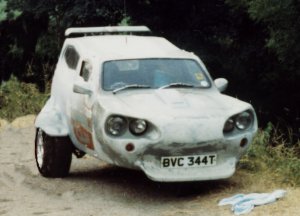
[154, 73]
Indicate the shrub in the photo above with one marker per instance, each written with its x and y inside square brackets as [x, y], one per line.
[18, 99]
[272, 153]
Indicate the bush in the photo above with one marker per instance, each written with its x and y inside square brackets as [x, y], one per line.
[272, 153]
[18, 99]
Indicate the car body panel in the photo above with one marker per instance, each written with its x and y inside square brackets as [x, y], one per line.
[51, 120]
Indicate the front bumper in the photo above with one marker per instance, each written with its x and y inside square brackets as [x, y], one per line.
[228, 153]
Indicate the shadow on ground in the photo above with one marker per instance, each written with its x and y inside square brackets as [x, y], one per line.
[139, 187]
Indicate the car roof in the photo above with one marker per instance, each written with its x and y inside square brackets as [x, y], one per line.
[110, 47]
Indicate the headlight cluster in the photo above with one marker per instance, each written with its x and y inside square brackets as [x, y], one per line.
[137, 126]
[241, 121]
[117, 125]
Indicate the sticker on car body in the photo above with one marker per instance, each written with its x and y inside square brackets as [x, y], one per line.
[189, 161]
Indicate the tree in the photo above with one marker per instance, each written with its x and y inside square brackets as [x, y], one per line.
[37, 34]
[280, 78]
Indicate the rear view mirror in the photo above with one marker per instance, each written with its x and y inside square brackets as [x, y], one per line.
[221, 84]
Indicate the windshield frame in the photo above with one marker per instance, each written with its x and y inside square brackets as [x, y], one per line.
[203, 71]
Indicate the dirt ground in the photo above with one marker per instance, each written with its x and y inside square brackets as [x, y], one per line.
[96, 188]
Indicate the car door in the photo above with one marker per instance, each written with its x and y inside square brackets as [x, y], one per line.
[81, 113]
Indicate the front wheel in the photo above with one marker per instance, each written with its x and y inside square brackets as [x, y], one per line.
[53, 155]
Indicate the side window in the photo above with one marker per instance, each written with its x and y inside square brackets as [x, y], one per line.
[71, 57]
[86, 70]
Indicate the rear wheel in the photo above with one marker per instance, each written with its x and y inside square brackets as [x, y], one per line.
[53, 155]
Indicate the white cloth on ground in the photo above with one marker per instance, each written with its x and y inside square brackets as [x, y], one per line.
[244, 203]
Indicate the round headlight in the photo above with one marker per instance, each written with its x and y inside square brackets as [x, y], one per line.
[229, 125]
[116, 125]
[243, 120]
[138, 126]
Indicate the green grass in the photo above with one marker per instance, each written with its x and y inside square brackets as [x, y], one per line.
[272, 153]
[18, 99]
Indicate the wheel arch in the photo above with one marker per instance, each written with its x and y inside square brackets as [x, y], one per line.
[52, 120]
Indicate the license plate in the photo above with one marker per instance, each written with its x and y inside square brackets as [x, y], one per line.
[189, 161]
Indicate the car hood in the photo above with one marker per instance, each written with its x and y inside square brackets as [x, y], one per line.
[172, 103]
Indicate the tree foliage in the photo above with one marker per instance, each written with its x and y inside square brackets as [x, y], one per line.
[36, 35]
[280, 78]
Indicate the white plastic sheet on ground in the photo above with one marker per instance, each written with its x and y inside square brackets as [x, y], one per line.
[244, 203]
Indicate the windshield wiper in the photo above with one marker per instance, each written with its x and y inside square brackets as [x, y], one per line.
[186, 85]
[130, 86]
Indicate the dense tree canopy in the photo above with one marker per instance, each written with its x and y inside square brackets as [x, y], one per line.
[253, 43]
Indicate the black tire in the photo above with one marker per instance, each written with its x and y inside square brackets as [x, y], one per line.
[53, 155]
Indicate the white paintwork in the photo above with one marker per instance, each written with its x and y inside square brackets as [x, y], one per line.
[111, 47]
[221, 84]
[107, 29]
[52, 120]
[182, 121]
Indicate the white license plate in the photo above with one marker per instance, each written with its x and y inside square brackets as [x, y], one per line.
[189, 161]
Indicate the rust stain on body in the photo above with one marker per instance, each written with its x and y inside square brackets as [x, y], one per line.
[83, 135]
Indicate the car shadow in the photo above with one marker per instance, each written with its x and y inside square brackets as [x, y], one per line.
[136, 185]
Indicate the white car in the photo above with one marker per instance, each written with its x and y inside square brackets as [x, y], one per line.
[142, 103]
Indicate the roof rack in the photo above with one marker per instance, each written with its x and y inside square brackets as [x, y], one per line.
[106, 29]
